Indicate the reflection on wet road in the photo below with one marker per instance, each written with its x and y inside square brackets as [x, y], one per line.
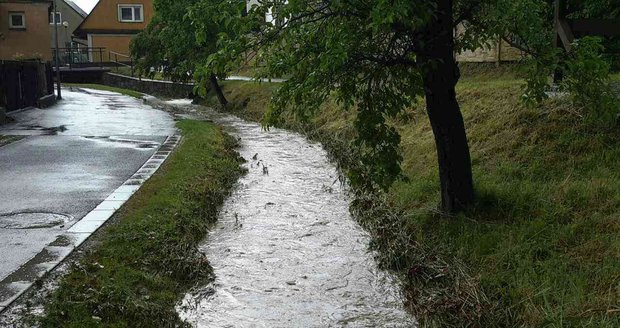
[92, 113]
[286, 252]
[75, 155]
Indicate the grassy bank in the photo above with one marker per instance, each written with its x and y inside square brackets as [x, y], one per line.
[5, 140]
[539, 249]
[102, 87]
[137, 268]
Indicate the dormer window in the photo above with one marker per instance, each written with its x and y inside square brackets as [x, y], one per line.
[130, 13]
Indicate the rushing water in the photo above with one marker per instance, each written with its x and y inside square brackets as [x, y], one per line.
[286, 252]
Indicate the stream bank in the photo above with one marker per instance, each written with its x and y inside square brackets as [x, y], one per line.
[133, 271]
[540, 245]
[286, 251]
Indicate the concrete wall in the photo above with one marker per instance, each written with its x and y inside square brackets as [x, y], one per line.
[164, 89]
[495, 52]
[31, 42]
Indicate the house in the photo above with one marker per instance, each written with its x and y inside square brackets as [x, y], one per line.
[112, 25]
[21, 35]
[68, 16]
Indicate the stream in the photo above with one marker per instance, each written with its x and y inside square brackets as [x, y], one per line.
[286, 251]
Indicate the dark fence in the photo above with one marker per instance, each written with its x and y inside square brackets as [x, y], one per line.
[80, 56]
[24, 83]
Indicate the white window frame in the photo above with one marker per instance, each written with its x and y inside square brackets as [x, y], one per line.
[133, 13]
[17, 27]
[53, 18]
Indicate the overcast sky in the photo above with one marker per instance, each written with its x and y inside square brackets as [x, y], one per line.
[87, 5]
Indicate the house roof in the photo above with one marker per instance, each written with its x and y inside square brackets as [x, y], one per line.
[83, 29]
[76, 8]
[79, 31]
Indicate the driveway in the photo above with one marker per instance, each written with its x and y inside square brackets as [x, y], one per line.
[74, 155]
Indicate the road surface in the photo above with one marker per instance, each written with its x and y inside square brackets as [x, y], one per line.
[73, 156]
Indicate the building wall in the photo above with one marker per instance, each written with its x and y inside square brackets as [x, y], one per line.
[104, 28]
[492, 53]
[111, 42]
[105, 16]
[30, 42]
[64, 34]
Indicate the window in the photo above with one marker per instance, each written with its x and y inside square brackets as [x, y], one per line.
[130, 13]
[55, 18]
[17, 20]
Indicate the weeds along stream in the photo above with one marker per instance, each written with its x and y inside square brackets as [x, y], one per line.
[286, 251]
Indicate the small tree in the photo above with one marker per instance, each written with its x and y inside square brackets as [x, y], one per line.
[529, 26]
[171, 44]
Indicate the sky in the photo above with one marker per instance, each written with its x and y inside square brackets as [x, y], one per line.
[87, 5]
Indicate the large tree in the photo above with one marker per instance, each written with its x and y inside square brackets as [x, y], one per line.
[379, 57]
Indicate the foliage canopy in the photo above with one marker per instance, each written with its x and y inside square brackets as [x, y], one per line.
[377, 58]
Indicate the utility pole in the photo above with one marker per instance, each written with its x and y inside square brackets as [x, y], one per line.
[58, 96]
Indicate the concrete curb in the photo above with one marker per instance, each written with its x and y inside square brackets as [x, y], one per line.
[20, 281]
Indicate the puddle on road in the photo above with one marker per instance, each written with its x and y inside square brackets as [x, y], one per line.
[32, 220]
[139, 144]
[285, 251]
[50, 131]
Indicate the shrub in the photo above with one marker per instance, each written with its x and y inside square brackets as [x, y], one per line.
[587, 81]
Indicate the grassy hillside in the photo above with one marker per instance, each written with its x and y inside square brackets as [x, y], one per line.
[541, 247]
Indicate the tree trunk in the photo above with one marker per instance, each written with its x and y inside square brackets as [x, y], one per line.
[440, 74]
[218, 90]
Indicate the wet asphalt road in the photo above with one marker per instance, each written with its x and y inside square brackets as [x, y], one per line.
[74, 155]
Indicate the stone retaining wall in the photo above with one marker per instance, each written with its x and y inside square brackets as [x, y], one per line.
[165, 89]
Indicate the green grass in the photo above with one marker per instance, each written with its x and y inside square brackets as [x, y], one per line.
[5, 140]
[140, 265]
[541, 247]
[102, 87]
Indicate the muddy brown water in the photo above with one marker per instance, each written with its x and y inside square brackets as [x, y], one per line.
[285, 251]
